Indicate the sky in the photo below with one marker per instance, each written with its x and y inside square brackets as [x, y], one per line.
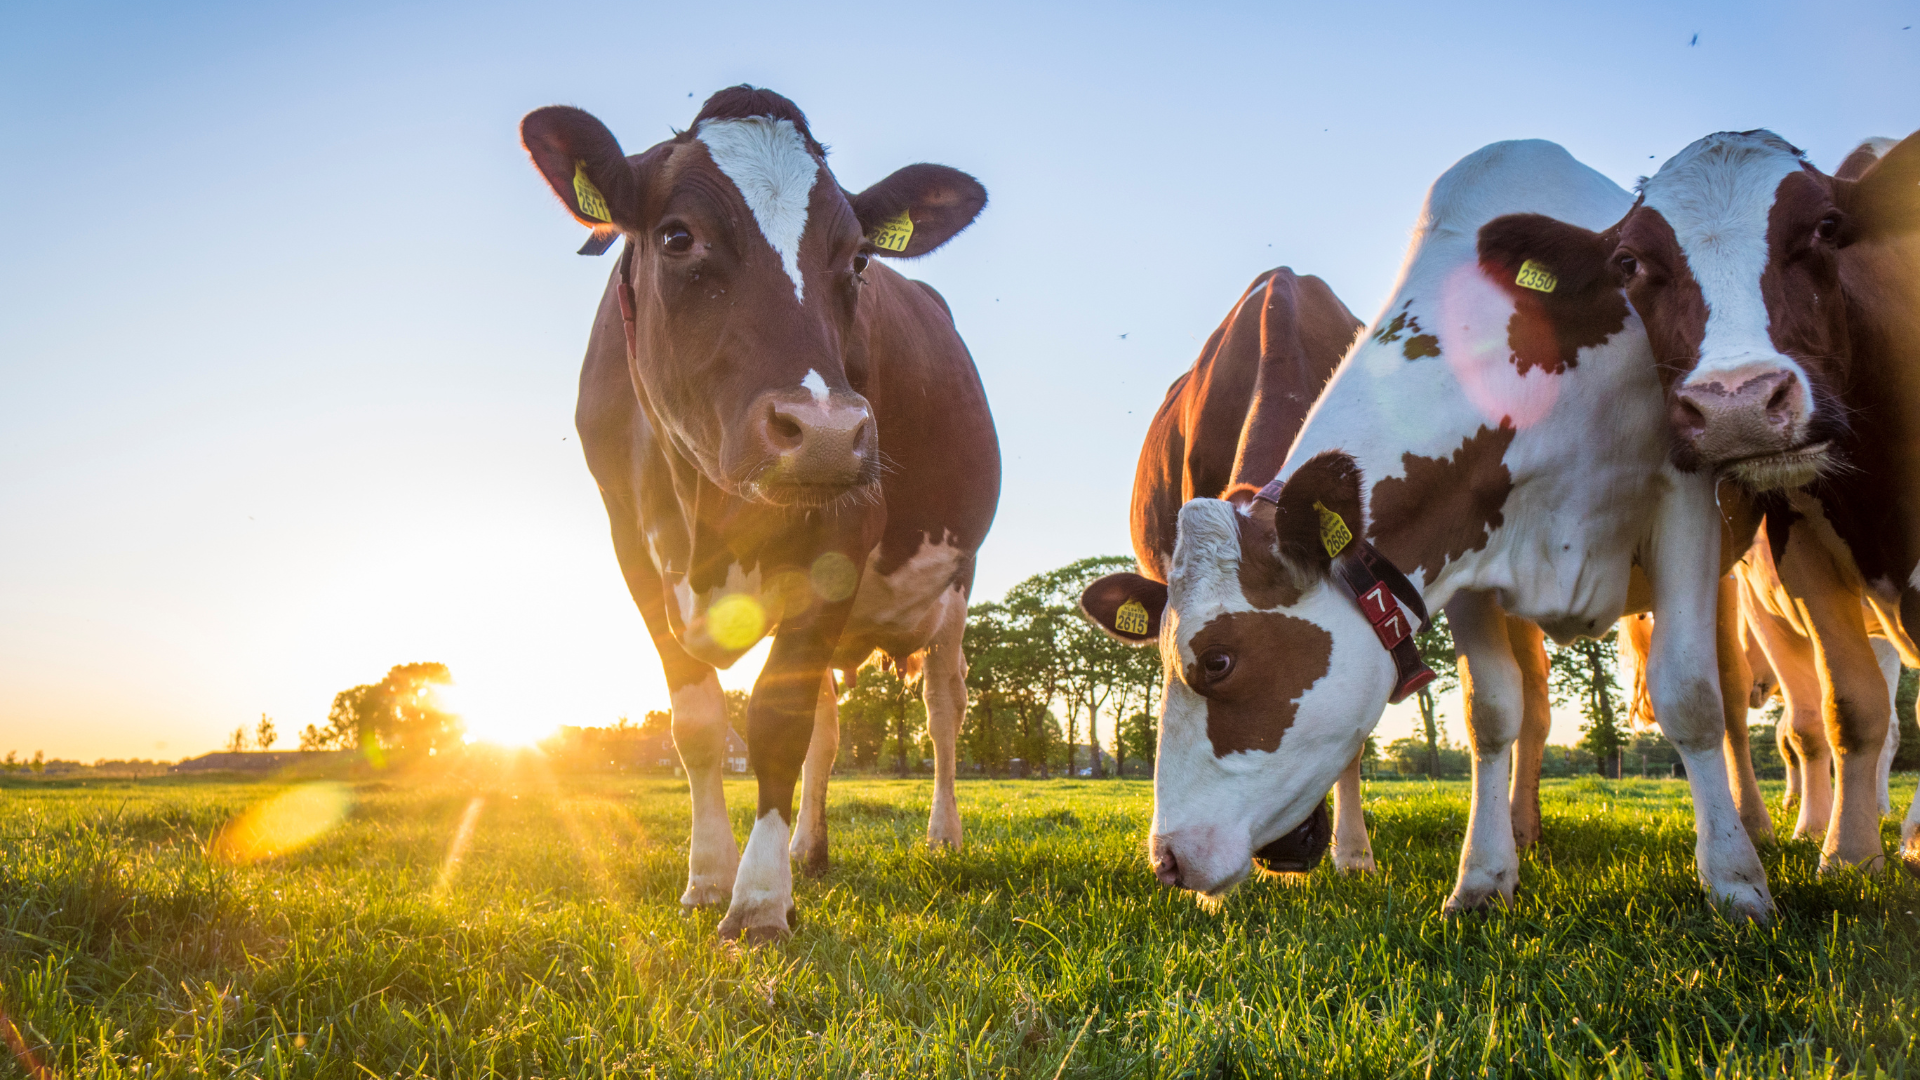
[290, 328]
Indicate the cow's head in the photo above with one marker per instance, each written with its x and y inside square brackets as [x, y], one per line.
[748, 264]
[1730, 258]
[1274, 677]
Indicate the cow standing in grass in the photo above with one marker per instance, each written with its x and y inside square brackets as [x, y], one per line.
[1802, 292]
[790, 438]
[1502, 437]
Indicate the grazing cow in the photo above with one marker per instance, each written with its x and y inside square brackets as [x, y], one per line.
[1781, 304]
[790, 438]
[1500, 437]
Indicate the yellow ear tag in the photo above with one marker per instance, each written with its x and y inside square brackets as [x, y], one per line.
[587, 196]
[1334, 534]
[1536, 277]
[1131, 618]
[893, 235]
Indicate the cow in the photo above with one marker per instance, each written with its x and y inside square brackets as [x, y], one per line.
[790, 439]
[1497, 443]
[1780, 302]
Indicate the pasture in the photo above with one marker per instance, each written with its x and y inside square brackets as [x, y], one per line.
[551, 944]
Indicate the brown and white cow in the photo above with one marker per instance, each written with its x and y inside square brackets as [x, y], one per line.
[1501, 436]
[1784, 304]
[790, 438]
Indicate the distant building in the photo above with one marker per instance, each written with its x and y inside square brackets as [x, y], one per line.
[257, 761]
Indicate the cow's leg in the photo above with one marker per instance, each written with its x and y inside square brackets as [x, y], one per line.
[943, 686]
[1352, 851]
[699, 718]
[779, 730]
[1889, 657]
[1854, 706]
[1790, 799]
[809, 845]
[1491, 684]
[700, 736]
[1684, 687]
[1803, 732]
[1536, 719]
[1736, 682]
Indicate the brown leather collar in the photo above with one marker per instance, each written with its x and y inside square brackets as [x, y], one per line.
[1375, 584]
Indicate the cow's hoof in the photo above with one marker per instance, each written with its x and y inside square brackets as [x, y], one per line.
[1484, 895]
[813, 863]
[1910, 858]
[1361, 863]
[944, 833]
[757, 927]
[705, 894]
[1745, 903]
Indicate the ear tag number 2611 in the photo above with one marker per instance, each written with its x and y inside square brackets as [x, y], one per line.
[894, 233]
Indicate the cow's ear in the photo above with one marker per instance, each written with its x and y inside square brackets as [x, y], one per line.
[1566, 293]
[584, 165]
[917, 209]
[1127, 606]
[1317, 513]
[1885, 201]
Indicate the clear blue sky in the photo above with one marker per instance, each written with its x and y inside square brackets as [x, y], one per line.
[289, 327]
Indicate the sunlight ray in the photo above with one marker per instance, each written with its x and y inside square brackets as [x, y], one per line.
[462, 836]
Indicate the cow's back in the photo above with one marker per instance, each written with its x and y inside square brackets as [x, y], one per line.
[1231, 418]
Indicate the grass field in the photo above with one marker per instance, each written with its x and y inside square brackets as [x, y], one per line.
[553, 945]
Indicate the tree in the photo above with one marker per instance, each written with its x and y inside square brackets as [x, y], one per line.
[1437, 650]
[265, 735]
[883, 704]
[398, 713]
[237, 741]
[1139, 736]
[656, 724]
[1582, 673]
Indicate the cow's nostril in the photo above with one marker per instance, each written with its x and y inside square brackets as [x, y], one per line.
[860, 435]
[1782, 399]
[1166, 868]
[1689, 417]
[785, 430]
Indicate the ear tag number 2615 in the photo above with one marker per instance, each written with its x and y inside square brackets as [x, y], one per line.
[1131, 618]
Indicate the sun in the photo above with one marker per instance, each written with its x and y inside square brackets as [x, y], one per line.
[486, 723]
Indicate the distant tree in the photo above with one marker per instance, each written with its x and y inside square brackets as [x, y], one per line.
[265, 735]
[1907, 754]
[400, 712]
[1095, 670]
[1139, 736]
[1437, 650]
[883, 707]
[736, 702]
[656, 724]
[1582, 673]
[39, 764]
[11, 762]
[237, 741]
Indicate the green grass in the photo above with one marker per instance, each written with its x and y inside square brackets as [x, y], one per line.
[556, 947]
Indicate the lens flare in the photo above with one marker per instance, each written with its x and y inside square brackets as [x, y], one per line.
[834, 576]
[736, 621]
[284, 823]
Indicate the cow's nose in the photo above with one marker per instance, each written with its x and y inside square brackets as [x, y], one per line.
[1165, 866]
[1747, 411]
[822, 442]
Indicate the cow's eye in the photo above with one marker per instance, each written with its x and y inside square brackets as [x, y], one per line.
[860, 263]
[1626, 265]
[1216, 664]
[676, 240]
[1828, 228]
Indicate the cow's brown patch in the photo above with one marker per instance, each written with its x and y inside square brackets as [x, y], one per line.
[1585, 308]
[1276, 660]
[1444, 507]
[1406, 324]
[1264, 580]
[1806, 308]
[1665, 293]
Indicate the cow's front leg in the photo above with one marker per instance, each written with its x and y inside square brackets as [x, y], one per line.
[1889, 657]
[1783, 742]
[1736, 681]
[1491, 685]
[700, 736]
[809, 846]
[944, 688]
[779, 729]
[1802, 734]
[1352, 851]
[1536, 721]
[1683, 683]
